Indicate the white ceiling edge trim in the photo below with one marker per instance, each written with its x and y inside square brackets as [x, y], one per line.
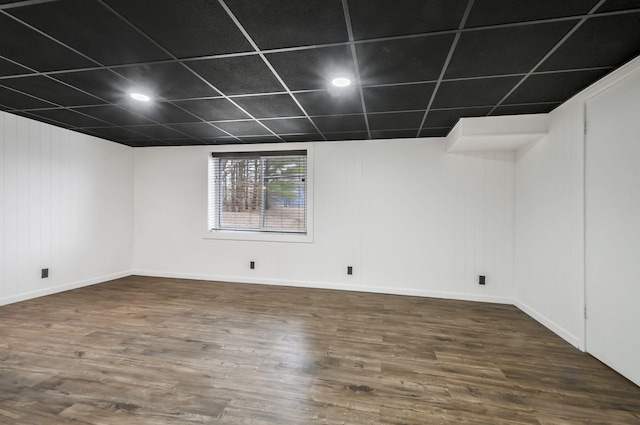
[501, 133]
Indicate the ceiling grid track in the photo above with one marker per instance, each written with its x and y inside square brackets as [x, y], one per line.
[231, 71]
[184, 66]
[58, 81]
[556, 47]
[268, 64]
[454, 44]
[347, 19]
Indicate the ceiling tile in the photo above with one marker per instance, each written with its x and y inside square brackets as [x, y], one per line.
[16, 100]
[90, 29]
[331, 102]
[347, 135]
[167, 80]
[553, 87]
[344, 123]
[45, 120]
[434, 132]
[393, 134]
[310, 137]
[260, 139]
[114, 115]
[102, 83]
[91, 133]
[188, 50]
[601, 41]
[157, 132]
[69, 117]
[243, 128]
[116, 133]
[226, 140]
[493, 12]
[382, 18]
[42, 53]
[185, 31]
[615, 5]
[213, 109]
[147, 143]
[290, 126]
[448, 117]
[313, 68]
[162, 112]
[541, 108]
[10, 68]
[53, 91]
[398, 98]
[403, 61]
[395, 120]
[307, 22]
[278, 105]
[510, 50]
[479, 92]
[183, 142]
[238, 75]
[198, 129]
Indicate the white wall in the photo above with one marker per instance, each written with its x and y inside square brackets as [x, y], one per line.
[549, 219]
[408, 217]
[549, 223]
[65, 204]
[612, 218]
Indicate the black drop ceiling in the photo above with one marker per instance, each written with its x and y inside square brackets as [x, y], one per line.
[236, 71]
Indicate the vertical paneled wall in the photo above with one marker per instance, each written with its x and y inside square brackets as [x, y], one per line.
[612, 224]
[550, 218]
[409, 218]
[65, 204]
[549, 226]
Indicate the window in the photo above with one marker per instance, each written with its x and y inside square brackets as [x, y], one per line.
[258, 191]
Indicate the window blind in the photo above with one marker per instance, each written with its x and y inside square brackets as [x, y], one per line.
[258, 191]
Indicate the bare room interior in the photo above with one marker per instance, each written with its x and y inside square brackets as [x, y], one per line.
[319, 211]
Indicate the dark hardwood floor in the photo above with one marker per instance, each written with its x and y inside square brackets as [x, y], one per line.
[165, 351]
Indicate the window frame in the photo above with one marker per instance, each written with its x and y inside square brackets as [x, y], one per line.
[253, 235]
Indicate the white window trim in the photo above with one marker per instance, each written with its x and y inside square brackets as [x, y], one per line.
[243, 235]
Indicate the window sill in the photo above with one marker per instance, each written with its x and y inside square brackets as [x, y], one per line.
[259, 236]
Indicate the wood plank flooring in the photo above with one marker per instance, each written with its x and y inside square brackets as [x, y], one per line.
[145, 350]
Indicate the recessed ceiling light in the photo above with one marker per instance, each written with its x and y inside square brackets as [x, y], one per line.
[341, 82]
[141, 97]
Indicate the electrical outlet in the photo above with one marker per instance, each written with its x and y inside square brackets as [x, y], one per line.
[252, 265]
[349, 270]
[481, 280]
[44, 273]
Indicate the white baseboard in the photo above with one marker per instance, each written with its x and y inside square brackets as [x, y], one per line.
[561, 332]
[551, 325]
[335, 286]
[61, 288]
